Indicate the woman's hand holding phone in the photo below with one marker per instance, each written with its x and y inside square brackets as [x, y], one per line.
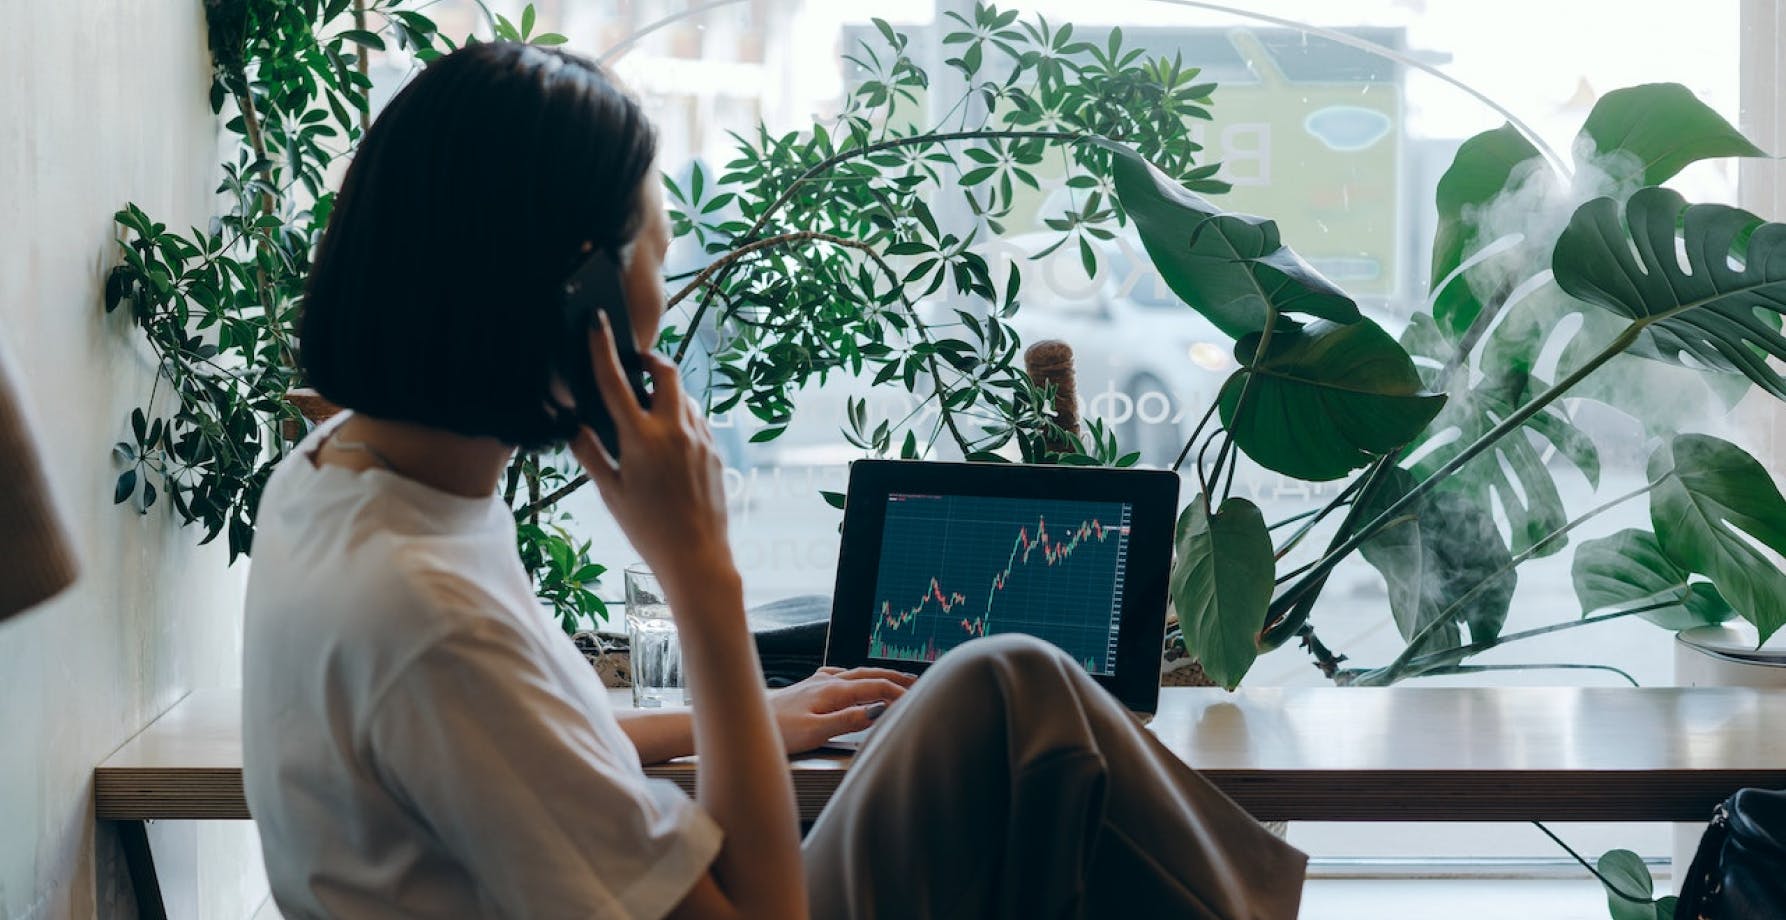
[669, 498]
[668, 495]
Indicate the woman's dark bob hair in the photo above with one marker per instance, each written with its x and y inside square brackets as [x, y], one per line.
[435, 297]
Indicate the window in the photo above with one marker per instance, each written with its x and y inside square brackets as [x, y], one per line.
[1334, 118]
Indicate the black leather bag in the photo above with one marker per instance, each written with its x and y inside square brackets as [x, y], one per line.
[1739, 870]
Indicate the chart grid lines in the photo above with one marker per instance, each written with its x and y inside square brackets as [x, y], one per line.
[956, 567]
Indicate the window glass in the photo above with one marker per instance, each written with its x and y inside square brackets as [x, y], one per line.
[1336, 119]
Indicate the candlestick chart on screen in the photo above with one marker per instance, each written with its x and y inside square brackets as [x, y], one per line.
[954, 567]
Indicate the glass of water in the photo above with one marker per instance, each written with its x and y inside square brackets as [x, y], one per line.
[655, 649]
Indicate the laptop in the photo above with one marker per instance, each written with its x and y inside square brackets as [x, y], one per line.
[936, 554]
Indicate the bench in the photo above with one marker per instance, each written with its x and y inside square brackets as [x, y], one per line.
[1303, 754]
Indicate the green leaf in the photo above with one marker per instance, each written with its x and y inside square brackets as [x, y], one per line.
[364, 38]
[1232, 268]
[1447, 547]
[977, 175]
[1714, 313]
[1663, 398]
[1530, 498]
[1625, 869]
[834, 499]
[1628, 569]
[1484, 166]
[1325, 399]
[1661, 127]
[1712, 500]
[118, 285]
[1221, 585]
[125, 488]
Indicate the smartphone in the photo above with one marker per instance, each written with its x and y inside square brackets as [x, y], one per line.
[596, 288]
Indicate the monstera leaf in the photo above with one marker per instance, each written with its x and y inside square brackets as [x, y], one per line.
[1644, 135]
[1629, 570]
[1516, 474]
[1232, 268]
[1663, 398]
[1447, 551]
[1712, 504]
[1484, 167]
[1636, 136]
[1324, 399]
[1221, 585]
[1519, 476]
[1721, 310]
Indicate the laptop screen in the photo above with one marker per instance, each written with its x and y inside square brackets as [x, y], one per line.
[953, 567]
[935, 555]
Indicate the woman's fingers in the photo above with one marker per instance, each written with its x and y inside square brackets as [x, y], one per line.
[595, 459]
[610, 380]
[666, 385]
[852, 692]
[850, 719]
[898, 677]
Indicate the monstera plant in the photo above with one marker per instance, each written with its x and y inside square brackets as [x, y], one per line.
[1458, 416]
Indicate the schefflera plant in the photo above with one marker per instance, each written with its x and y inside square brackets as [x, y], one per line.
[817, 248]
[1436, 429]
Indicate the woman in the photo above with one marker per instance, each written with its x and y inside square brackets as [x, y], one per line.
[419, 738]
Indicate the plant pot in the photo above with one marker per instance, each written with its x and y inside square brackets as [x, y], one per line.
[609, 656]
[1183, 672]
[1722, 656]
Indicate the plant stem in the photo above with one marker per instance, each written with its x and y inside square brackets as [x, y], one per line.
[1290, 611]
[1195, 434]
[1246, 389]
[1300, 516]
[1318, 515]
[532, 471]
[1396, 667]
[362, 61]
[702, 279]
[1325, 659]
[1593, 871]
[536, 503]
[1293, 572]
[1507, 425]
[1380, 677]
[1202, 483]
[269, 207]
[829, 163]
[1559, 666]
[514, 482]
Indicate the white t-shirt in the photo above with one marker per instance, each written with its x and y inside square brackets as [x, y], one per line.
[419, 738]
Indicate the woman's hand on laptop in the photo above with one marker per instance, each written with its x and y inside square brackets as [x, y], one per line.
[834, 701]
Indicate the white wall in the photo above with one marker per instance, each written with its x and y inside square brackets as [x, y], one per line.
[101, 102]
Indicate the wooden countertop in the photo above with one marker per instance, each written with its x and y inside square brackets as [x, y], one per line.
[1312, 754]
